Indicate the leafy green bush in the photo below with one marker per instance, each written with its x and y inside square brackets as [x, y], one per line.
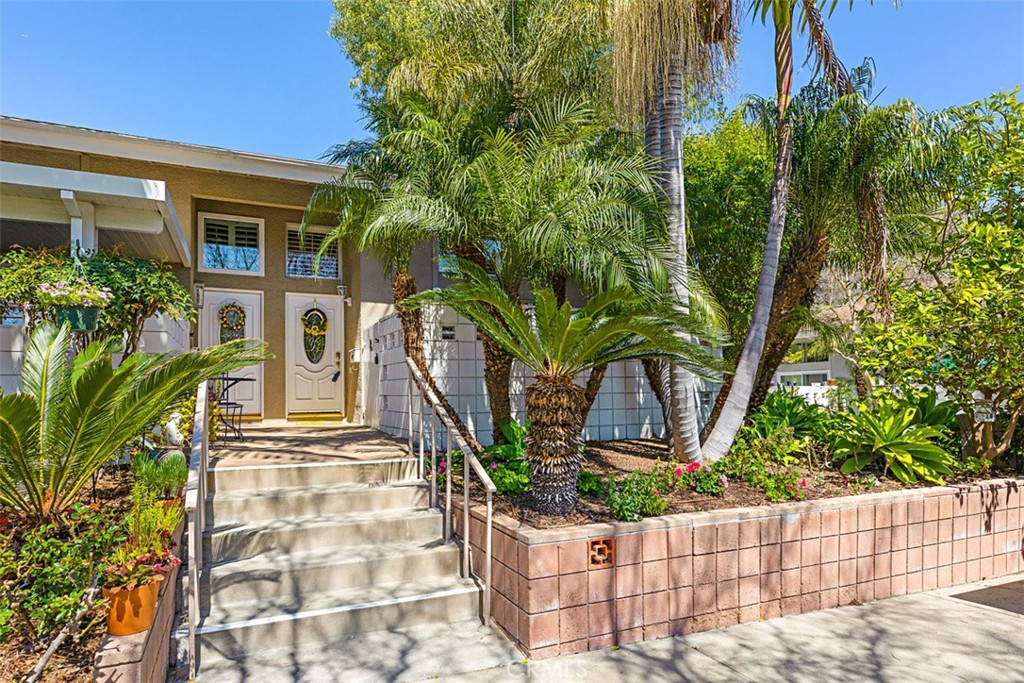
[589, 484]
[770, 463]
[782, 410]
[892, 436]
[635, 497]
[163, 477]
[707, 480]
[506, 462]
[47, 570]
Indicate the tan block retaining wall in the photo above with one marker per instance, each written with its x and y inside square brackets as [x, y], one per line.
[143, 657]
[699, 571]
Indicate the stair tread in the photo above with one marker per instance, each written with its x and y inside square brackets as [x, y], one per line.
[313, 489]
[334, 519]
[328, 556]
[255, 612]
[404, 654]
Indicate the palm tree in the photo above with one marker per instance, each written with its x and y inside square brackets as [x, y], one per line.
[69, 418]
[660, 46]
[734, 410]
[371, 172]
[562, 199]
[559, 345]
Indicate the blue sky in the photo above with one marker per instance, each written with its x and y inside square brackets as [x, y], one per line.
[265, 76]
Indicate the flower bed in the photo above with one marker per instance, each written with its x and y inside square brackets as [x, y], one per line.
[588, 587]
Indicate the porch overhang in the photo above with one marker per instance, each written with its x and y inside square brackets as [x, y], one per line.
[135, 212]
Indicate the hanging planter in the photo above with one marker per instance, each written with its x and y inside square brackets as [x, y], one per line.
[75, 302]
[79, 318]
[314, 334]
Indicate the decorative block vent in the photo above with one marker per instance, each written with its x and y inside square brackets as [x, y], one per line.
[602, 553]
[447, 332]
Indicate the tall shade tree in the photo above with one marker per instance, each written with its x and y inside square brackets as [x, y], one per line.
[71, 417]
[372, 172]
[558, 345]
[549, 201]
[660, 48]
[782, 13]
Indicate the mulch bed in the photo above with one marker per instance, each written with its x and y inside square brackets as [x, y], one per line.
[624, 456]
[73, 662]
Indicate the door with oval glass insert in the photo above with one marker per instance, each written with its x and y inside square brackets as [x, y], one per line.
[314, 350]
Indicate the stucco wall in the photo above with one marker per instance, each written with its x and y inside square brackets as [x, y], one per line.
[276, 202]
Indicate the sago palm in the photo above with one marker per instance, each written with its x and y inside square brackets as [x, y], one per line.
[70, 417]
[558, 345]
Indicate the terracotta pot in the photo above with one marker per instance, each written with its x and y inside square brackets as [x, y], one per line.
[131, 611]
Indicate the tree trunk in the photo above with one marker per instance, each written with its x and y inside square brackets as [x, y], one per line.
[592, 389]
[403, 286]
[733, 413]
[554, 407]
[497, 381]
[655, 370]
[685, 435]
[796, 287]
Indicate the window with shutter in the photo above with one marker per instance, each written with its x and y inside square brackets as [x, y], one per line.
[231, 244]
[307, 257]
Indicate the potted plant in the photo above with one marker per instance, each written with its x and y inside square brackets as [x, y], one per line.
[76, 302]
[131, 586]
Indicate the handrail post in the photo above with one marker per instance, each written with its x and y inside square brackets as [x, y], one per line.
[433, 459]
[195, 511]
[487, 558]
[465, 515]
[409, 410]
[448, 491]
[423, 437]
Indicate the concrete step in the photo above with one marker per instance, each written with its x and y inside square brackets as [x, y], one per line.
[261, 477]
[410, 653]
[240, 540]
[275, 575]
[234, 631]
[310, 501]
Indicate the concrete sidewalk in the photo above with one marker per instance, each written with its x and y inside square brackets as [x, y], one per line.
[970, 633]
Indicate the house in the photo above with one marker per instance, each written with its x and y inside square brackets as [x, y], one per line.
[228, 224]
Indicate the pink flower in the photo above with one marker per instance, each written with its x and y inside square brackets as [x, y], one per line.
[679, 471]
[725, 482]
[656, 492]
[494, 465]
[693, 467]
[803, 483]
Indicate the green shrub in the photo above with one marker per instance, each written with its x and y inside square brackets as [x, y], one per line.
[770, 463]
[47, 570]
[163, 477]
[635, 497]
[506, 463]
[589, 484]
[707, 480]
[892, 436]
[782, 410]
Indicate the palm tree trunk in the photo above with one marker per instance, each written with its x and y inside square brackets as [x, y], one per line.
[796, 288]
[403, 286]
[735, 409]
[685, 435]
[497, 381]
[592, 389]
[655, 369]
[554, 407]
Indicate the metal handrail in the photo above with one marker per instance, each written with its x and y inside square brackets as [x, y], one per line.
[195, 512]
[469, 461]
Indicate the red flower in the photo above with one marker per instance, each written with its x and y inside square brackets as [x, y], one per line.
[803, 483]
[656, 492]
[693, 467]
[679, 471]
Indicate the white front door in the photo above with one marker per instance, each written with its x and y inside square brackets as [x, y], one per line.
[233, 314]
[314, 347]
